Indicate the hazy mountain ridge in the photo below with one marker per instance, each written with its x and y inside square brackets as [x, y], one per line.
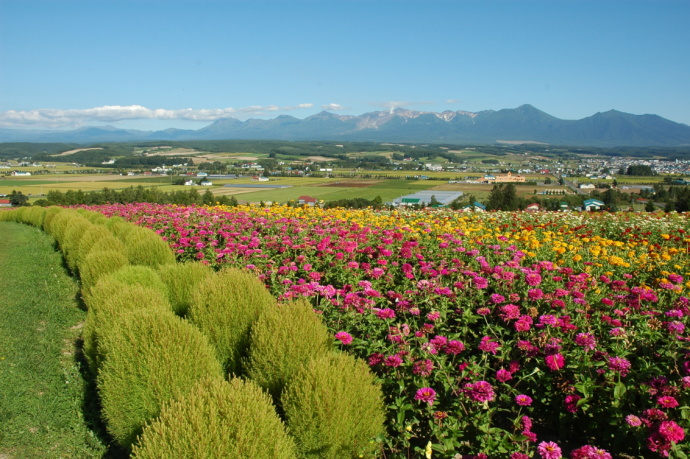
[524, 123]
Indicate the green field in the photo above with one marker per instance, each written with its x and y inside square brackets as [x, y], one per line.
[47, 410]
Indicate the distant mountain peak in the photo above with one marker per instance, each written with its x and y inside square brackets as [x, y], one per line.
[610, 128]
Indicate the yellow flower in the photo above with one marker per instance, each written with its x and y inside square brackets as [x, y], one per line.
[428, 450]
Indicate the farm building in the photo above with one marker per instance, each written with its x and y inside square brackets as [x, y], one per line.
[307, 200]
[423, 198]
[475, 207]
[5, 203]
[593, 204]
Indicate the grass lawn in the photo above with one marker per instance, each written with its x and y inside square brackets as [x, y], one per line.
[45, 407]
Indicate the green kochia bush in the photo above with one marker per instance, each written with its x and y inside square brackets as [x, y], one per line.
[283, 340]
[57, 226]
[217, 419]
[74, 231]
[97, 238]
[97, 264]
[105, 319]
[145, 247]
[124, 277]
[153, 359]
[182, 280]
[333, 408]
[224, 307]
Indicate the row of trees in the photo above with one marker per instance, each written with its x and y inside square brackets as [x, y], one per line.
[133, 194]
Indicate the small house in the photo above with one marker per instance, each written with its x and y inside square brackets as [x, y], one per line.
[593, 204]
[5, 203]
[534, 207]
[307, 200]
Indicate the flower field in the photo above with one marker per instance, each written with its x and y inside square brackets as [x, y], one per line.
[493, 334]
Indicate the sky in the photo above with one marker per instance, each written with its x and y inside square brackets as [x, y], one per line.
[155, 64]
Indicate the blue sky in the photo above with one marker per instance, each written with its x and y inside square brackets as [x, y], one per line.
[154, 64]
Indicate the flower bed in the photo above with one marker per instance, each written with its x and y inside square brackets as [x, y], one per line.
[493, 334]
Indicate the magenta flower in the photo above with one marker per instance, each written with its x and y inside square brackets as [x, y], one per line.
[549, 450]
[393, 361]
[533, 279]
[555, 361]
[343, 337]
[633, 421]
[504, 375]
[488, 345]
[671, 431]
[426, 394]
[386, 313]
[480, 391]
[523, 400]
[590, 452]
[423, 367]
[620, 365]
[571, 402]
[535, 294]
[667, 401]
[480, 282]
[586, 340]
[454, 347]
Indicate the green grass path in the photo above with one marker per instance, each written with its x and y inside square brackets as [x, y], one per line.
[42, 392]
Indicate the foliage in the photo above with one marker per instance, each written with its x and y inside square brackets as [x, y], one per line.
[334, 408]
[153, 359]
[124, 277]
[145, 247]
[74, 231]
[182, 280]
[104, 319]
[640, 170]
[217, 419]
[224, 307]
[97, 264]
[283, 340]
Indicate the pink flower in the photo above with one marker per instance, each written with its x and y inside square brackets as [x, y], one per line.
[667, 401]
[586, 340]
[426, 394]
[633, 421]
[590, 452]
[533, 279]
[487, 345]
[619, 365]
[481, 391]
[393, 361]
[423, 367]
[455, 347]
[535, 294]
[555, 361]
[549, 450]
[480, 282]
[523, 400]
[504, 375]
[343, 337]
[386, 313]
[671, 431]
[571, 402]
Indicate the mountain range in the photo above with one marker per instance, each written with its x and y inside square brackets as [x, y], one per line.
[523, 124]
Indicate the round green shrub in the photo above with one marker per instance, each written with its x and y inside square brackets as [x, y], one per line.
[334, 408]
[153, 358]
[282, 341]
[94, 217]
[97, 264]
[32, 215]
[127, 275]
[59, 224]
[218, 419]
[119, 226]
[182, 280]
[105, 318]
[224, 307]
[145, 247]
[97, 238]
[51, 212]
[74, 232]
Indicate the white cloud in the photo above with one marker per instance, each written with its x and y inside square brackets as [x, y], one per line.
[58, 118]
[334, 107]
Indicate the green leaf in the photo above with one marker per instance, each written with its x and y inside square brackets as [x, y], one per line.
[619, 391]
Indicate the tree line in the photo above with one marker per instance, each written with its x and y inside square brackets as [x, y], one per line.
[132, 195]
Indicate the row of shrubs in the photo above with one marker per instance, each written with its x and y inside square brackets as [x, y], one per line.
[189, 362]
